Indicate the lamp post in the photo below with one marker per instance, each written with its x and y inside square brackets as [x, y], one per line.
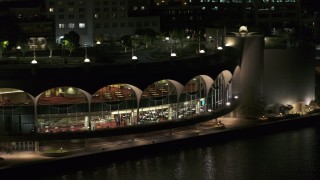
[201, 51]
[133, 57]
[86, 60]
[34, 61]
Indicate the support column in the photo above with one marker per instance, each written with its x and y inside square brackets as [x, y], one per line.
[36, 145]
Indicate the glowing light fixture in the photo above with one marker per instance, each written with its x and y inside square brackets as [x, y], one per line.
[236, 97]
[98, 42]
[202, 51]
[219, 48]
[134, 58]
[228, 103]
[86, 60]
[34, 62]
[173, 54]
[18, 47]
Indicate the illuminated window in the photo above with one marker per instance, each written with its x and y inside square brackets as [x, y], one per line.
[82, 25]
[71, 25]
[61, 26]
[51, 10]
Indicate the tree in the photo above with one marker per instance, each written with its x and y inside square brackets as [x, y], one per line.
[146, 32]
[51, 46]
[3, 46]
[173, 38]
[69, 46]
[126, 42]
[24, 47]
[147, 41]
[135, 42]
[73, 38]
[180, 35]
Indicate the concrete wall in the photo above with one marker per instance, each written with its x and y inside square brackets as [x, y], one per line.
[289, 76]
[251, 74]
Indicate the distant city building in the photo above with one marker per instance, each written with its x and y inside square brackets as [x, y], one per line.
[199, 14]
[101, 20]
[24, 21]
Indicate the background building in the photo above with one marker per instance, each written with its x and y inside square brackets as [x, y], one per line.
[101, 20]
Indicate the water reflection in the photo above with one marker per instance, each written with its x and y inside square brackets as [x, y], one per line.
[287, 155]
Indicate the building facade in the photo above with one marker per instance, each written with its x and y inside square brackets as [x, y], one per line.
[96, 21]
[199, 14]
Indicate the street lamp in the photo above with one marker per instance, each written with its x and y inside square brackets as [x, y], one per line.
[201, 51]
[133, 57]
[86, 60]
[34, 61]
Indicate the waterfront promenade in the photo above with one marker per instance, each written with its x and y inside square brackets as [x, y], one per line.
[26, 158]
[24, 163]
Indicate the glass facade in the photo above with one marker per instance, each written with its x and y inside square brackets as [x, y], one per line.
[62, 109]
[158, 103]
[16, 112]
[69, 109]
[113, 106]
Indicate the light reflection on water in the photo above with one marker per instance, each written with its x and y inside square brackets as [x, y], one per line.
[288, 155]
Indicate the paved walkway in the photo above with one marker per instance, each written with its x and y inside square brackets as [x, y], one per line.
[30, 157]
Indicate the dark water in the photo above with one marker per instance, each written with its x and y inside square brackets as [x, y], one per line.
[293, 154]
